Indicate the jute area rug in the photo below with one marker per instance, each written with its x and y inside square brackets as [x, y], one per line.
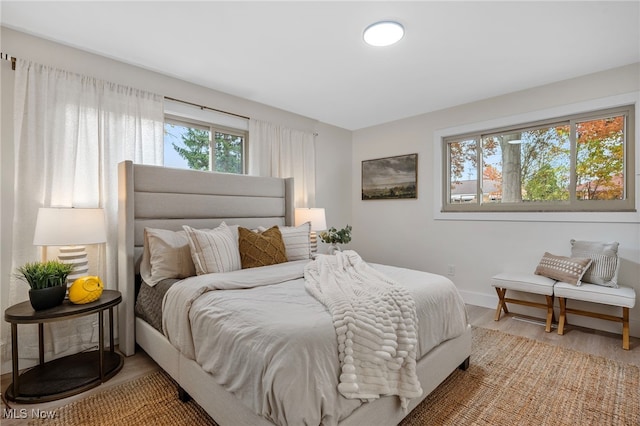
[511, 381]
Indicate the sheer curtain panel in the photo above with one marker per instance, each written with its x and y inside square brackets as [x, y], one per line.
[281, 152]
[70, 132]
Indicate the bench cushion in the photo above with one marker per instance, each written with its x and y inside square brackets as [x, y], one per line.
[621, 296]
[526, 282]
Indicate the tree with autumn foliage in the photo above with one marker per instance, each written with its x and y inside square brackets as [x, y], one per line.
[600, 158]
[460, 154]
[535, 165]
[492, 182]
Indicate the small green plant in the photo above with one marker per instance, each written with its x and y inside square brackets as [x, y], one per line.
[45, 274]
[333, 236]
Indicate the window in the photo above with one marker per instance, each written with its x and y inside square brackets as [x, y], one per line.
[582, 162]
[198, 146]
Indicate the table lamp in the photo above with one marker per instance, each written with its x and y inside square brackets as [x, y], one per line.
[70, 228]
[318, 223]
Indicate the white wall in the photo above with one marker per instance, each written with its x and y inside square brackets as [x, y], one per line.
[407, 232]
[333, 145]
[333, 179]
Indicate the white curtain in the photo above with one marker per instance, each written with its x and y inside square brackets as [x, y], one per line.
[281, 152]
[70, 132]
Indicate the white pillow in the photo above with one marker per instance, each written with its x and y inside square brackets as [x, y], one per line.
[166, 255]
[213, 250]
[296, 241]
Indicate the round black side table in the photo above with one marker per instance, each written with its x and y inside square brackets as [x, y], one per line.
[69, 375]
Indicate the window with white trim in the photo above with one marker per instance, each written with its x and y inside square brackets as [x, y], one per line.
[196, 145]
[582, 162]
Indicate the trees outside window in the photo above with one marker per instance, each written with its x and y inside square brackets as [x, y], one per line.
[583, 162]
[600, 159]
[191, 145]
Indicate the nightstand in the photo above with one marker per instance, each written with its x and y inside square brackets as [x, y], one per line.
[69, 375]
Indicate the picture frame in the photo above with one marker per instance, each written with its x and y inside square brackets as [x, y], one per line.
[390, 178]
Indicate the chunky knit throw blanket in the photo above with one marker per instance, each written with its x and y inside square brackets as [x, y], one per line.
[376, 325]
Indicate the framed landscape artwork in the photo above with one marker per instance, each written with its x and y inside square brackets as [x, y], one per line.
[390, 178]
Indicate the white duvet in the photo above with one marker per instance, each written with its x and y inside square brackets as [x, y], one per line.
[269, 342]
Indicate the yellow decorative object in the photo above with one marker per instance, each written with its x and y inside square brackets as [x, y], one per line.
[85, 290]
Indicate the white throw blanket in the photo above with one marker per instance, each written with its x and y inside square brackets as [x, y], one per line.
[376, 325]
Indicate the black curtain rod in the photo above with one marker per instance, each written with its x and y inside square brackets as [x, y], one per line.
[206, 107]
[8, 57]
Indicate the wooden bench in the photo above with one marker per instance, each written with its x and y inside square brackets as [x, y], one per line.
[528, 283]
[624, 297]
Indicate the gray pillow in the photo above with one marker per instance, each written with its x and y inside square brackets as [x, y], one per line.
[604, 268]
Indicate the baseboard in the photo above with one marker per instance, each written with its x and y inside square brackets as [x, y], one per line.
[491, 301]
[479, 299]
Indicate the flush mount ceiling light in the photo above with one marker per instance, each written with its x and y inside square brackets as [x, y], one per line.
[383, 33]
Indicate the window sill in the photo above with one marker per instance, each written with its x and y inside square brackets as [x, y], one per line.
[594, 217]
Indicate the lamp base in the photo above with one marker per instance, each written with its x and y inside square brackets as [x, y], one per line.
[76, 256]
[313, 240]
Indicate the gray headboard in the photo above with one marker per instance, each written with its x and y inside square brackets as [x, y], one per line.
[162, 197]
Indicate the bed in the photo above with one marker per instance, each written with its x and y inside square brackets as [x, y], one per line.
[167, 199]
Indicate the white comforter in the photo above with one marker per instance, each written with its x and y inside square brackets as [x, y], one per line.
[268, 341]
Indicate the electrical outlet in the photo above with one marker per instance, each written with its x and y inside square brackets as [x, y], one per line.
[451, 270]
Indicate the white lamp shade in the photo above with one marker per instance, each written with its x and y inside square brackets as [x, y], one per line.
[315, 216]
[69, 226]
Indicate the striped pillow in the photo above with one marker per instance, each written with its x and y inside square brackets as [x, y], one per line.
[605, 265]
[213, 250]
[296, 240]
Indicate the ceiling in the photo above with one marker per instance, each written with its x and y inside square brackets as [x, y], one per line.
[309, 58]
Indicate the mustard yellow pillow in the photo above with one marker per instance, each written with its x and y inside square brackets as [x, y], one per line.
[261, 248]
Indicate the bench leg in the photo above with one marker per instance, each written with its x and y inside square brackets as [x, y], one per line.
[625, 328]
[624, 319]
[550, 315]
[502, 305]
[563, 315]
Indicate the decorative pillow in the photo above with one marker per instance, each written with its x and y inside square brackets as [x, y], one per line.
[604, 268]
[261, 248]
[566, 269]
[166, 255]
[213, 250]
[296, 240]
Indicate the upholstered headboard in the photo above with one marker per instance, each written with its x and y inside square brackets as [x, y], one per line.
[166, 198]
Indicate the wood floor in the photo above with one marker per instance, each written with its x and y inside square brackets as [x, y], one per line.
[599, 343]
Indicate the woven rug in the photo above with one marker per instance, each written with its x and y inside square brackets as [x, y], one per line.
[511, 381]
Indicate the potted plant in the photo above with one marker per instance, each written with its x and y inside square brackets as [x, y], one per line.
[48, 282]
[334, 237]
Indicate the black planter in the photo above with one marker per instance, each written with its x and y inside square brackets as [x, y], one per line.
[45, 298]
